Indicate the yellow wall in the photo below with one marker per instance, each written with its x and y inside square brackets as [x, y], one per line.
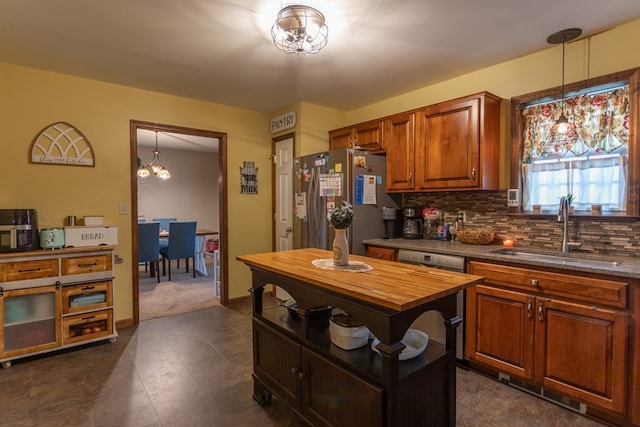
[33, 99]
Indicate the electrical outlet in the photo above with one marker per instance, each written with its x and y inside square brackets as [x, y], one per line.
[462, 216]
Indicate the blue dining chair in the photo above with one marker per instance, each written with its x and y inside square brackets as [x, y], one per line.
[164, 222]
[182, 244]
[149, 246]
[164, 226]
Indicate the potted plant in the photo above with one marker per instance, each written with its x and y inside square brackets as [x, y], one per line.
[340, 219]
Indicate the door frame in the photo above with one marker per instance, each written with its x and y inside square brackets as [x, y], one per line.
[134, 125]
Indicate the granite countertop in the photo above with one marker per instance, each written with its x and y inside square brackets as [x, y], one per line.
[575, 261]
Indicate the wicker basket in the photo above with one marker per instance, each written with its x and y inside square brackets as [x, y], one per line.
[476, 237]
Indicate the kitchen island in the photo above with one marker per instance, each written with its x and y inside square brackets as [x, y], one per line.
[294, 358]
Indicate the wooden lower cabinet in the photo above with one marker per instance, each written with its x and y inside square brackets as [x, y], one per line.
[564, 345]
[318, 389]
[295, 360]
[54, 299]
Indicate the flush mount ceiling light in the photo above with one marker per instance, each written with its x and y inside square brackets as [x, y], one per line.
[300, 29]
[563, 130]
[154, 166]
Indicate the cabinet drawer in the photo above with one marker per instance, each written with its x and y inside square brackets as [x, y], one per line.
[88, 296]
[27, 270]
[575, 286]
[381, 253]
[86, 264]
[87, 326]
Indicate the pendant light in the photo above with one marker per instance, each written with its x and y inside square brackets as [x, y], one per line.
[563, 131]
[154, 166]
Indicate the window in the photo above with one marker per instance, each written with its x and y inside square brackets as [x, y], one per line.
[591, 163]
[599, 165]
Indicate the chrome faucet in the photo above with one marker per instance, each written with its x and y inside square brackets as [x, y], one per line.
[563, 217]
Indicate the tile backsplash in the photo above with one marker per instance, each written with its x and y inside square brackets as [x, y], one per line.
[600, 235]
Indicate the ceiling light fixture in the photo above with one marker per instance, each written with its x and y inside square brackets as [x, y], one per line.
[563, 130]
[154, 166]
[300, 29]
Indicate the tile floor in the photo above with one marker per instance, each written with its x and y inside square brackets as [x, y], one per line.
[194, 370]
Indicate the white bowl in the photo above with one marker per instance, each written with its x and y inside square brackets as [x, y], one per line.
[414, 340]
[93, 220]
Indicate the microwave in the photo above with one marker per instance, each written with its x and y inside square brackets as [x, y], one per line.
[19, 230]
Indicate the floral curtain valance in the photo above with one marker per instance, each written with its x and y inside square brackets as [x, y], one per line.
[601, 120]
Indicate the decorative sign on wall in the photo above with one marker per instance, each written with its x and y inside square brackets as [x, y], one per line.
[283, 122]
[249, 178]
[61, 144]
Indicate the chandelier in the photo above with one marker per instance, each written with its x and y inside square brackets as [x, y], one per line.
[154, 166]
[563, 131]
[300, 29]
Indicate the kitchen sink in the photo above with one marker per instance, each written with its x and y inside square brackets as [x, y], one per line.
[556, 259]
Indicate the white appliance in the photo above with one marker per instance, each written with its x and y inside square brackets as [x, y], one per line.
[431, 322]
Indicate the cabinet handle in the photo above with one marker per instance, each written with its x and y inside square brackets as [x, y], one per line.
[410, 176]
[29, 270]
[540, 313]
[88, 318]
[379, 256]
[87, 288]
[534, 282]
[88, 265]
[300, 373]
[473, 174]
[530, 310]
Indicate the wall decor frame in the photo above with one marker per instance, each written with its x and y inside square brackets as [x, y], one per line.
[61, 144]
[248, 178]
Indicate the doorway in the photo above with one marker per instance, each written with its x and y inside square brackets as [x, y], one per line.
[134, 127]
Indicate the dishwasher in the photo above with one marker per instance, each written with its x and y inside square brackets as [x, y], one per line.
[431, 322]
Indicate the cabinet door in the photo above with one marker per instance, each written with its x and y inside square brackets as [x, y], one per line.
[581, 351]
[335, 397]
[448, 146]
[399, 139]
[381, 253]
[29, 320]
[340, 138]
[500, 330]
[276, 362]
[369, 135]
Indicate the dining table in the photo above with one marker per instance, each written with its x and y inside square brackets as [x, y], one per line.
[198, 258]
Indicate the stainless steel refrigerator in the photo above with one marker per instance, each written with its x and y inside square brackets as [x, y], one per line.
[322, 181]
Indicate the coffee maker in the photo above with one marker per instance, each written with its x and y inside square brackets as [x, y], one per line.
[18, 230]
[392, 222]
[412, 224]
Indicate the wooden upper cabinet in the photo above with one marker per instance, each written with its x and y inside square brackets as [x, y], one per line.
[340, 138]
[399, 138]
[458, 143]
[366, 135]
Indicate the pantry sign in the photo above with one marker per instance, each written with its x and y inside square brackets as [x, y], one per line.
[283, 122]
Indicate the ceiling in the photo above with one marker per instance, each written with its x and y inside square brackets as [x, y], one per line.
[221, 51]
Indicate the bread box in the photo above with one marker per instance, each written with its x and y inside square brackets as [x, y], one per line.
[90, 236]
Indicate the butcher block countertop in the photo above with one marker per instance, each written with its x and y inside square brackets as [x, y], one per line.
[389, 284]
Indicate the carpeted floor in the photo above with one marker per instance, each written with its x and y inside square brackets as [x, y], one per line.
[182, 295]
